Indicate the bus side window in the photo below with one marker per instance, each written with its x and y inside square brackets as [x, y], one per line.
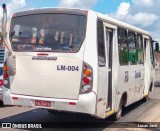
[122, 46]
[151, 51]
[100, 42]
[132, 48]
[140, 49]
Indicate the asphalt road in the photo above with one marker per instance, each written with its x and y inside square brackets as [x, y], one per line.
[139, 112]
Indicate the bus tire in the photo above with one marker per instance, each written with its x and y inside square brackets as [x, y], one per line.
[118, 114]
[1, 103]
[145, 98]
[151, 86]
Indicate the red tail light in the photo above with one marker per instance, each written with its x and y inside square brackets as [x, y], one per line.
[86, 80]
[5, 75]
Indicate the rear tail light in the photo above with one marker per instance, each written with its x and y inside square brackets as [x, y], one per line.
[4, 68]
[5, 82]
[87, 72]
[5, 76]
[86, 88]
[87, 79]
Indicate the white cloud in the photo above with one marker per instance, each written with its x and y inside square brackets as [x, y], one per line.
[142, 19]
[13, 6]
[87, 4]
[122, 10]
[141, 13]
[19, 2]
[144, 2]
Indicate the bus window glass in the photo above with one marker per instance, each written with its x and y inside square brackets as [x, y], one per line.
[140, 49]
[61, 32]
[132, 48]
[122, 47]
[151, 52]
[101, 47]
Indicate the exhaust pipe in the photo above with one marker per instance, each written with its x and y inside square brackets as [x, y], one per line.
[4, 20]
[4, 28]
[11, 58]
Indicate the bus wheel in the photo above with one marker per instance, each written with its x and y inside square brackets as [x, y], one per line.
[118, 114]
[145, 98]
[1, 103]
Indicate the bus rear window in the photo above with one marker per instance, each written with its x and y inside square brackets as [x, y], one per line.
[48, 32]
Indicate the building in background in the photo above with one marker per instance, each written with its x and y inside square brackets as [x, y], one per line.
[157, 54]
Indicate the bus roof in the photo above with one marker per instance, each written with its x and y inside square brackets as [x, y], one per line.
[81, 11]
[121, 24]
[50, 10]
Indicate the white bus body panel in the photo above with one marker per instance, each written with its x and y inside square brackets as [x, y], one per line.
[42, 78]
[90, 50]
[133, 85]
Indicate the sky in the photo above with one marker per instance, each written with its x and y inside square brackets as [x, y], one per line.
[144, 14]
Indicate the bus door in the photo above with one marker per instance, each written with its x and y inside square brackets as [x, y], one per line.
[147, 65]
[152, 62]
[109, 44]
[102, 71]
[105, 38]
[110, 39]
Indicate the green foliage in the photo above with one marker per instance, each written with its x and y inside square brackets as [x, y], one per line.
[1, 35]
[123, 56]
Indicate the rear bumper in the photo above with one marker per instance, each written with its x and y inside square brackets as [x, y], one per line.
[86, 103]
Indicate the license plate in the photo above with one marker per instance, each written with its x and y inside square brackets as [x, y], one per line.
[42, 103]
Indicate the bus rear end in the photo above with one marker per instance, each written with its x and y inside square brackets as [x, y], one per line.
[47, 68]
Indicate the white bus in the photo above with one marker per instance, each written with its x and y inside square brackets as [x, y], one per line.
[77, 61]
